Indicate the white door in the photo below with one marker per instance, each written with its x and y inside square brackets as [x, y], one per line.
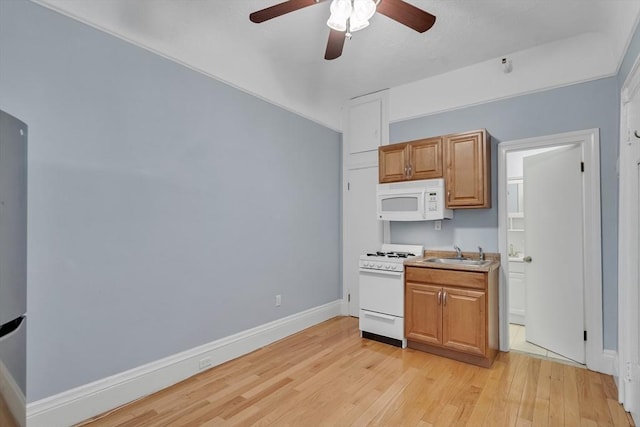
[629, 255]
[362, 230]
[553, 223]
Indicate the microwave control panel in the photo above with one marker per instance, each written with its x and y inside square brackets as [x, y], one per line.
[432, 200]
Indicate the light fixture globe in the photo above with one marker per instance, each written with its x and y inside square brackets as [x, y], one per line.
[363, 10]
[340, 12]
[357, 25]
[351, 15]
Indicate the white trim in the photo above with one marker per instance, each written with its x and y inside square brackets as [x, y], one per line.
[596, 356]
[12, 395]
[80, 403]
[329, 125]
[626, 292]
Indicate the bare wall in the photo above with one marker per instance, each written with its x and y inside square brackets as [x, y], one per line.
[166, 209]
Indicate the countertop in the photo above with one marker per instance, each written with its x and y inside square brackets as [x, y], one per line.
[420, 262]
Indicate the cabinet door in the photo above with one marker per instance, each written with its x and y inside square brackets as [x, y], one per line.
[464, 320]
[392, 163]
[425, 158]
[468, 172]
[423, 313]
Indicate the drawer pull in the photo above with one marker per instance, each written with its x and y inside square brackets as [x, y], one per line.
[379, 316]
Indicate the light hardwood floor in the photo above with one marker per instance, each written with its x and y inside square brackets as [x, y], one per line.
[328, 376]
[6, 419]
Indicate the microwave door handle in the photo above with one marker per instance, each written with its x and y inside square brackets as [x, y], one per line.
[424, 204]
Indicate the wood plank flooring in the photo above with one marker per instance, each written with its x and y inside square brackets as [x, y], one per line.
[6, 419]
[328, 376]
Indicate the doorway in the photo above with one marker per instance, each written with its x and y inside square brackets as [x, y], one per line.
[584, 145]
[553, 183]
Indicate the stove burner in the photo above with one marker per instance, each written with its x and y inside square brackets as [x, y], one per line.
[399, 254]
[391, 254]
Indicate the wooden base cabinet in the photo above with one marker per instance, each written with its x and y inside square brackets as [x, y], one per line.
[452, 313]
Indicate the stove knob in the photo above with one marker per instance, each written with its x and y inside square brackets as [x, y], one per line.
[397, 267]
[366, 263]
[387, 266]
[379, 265]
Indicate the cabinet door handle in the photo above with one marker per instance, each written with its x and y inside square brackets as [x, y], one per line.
[449, 195]
[444, 299]
[439, 297]
[410, 170]
[406, 170]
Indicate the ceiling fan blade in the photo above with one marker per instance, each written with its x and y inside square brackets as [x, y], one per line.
[335, 44]
[280, 9]
[407, 14]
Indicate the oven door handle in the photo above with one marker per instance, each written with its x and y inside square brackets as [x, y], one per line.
[378, 315]
[384, 272]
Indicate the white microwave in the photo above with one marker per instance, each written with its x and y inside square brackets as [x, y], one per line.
[421, 200]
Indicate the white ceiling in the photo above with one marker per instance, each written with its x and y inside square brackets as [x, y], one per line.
[282, 60]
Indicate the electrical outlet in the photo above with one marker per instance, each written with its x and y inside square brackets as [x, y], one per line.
[278, 300]
[205, 363]
[437, 225]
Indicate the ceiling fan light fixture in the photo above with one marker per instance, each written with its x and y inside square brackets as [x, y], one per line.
[363, 10]
[337, 24]
[357, 25]
[351, 15]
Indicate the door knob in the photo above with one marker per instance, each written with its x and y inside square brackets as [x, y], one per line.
[527, 259]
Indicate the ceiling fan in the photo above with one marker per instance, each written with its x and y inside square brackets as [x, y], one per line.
[348, 16]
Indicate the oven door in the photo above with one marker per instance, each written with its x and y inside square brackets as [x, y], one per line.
[382, 291]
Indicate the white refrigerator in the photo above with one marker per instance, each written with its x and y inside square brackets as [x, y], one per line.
[13, 264]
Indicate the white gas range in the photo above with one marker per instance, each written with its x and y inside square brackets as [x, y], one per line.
[382, 292]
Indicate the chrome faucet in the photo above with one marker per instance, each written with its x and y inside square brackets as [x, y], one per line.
[458, 251]
[481, 253]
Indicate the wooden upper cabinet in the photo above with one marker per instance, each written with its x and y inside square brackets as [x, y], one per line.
[420, 159]
[392, 163]
[468, 170]
[425, 158]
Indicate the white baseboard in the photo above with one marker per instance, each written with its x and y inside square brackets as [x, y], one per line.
[86, 401]
[344, 307]
[606, 363]
[12, 395]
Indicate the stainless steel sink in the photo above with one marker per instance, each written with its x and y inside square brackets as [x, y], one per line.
[458, 261]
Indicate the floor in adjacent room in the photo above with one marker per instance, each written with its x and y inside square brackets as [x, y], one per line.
[519, 343]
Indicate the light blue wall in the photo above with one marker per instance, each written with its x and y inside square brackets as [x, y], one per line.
[166, 209]
[583, 106]
[630, 57]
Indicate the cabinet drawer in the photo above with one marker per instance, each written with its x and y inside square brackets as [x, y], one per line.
[467, 279]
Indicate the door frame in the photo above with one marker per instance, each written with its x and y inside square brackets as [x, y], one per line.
[597, 359]
[627, 314]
